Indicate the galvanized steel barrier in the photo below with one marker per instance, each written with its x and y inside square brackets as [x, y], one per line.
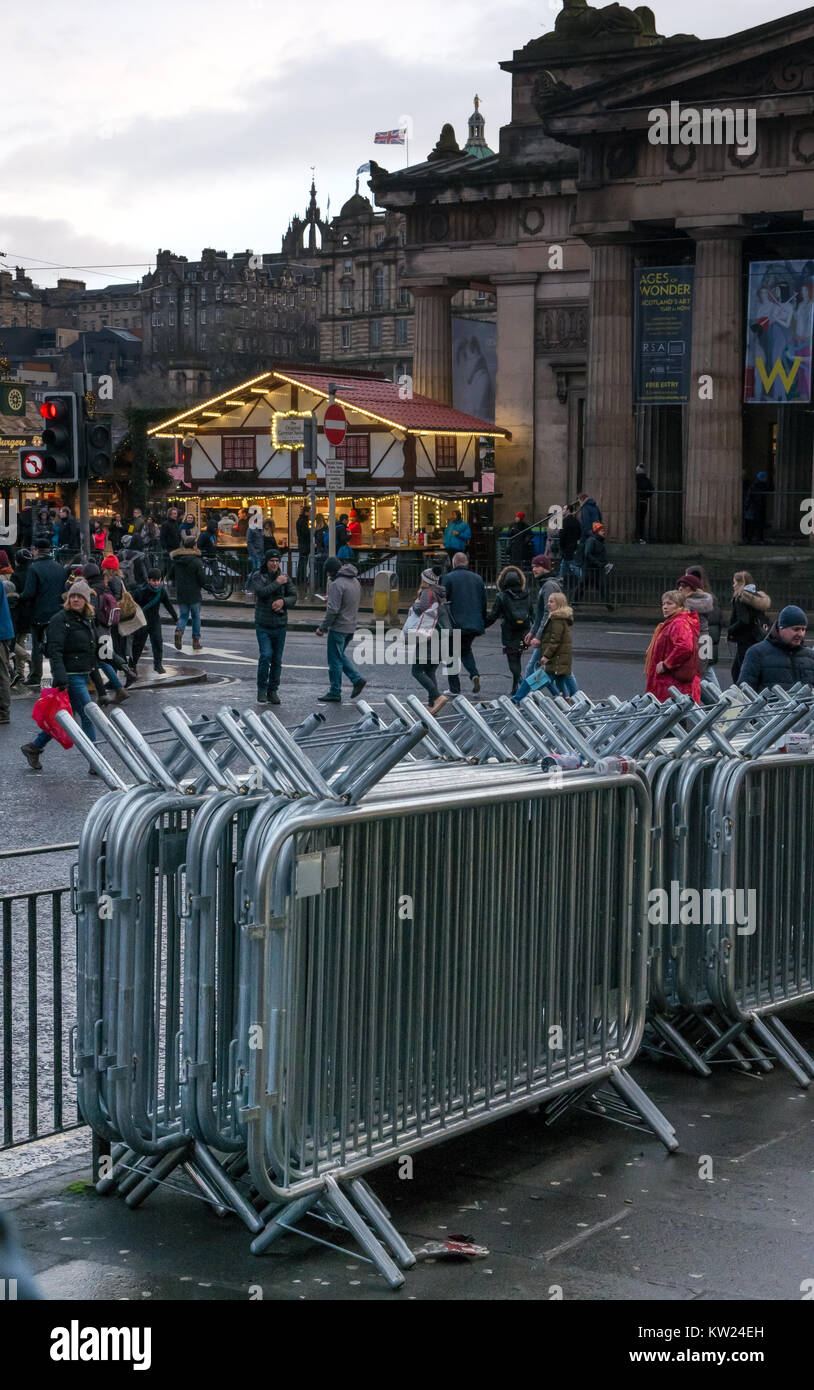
[292, 973]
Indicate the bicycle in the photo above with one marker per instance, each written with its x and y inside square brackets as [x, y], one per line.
[220, 579]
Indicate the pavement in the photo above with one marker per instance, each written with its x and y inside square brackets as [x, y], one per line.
[583, 1211]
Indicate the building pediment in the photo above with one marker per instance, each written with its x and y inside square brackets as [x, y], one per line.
[772, 64]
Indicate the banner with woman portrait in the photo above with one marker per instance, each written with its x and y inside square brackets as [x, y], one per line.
[779, 323]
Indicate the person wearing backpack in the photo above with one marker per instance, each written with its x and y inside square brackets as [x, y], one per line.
[747, 623]
[513, 606]
[132, 568]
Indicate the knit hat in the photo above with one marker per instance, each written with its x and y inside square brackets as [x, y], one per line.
[82, 588]
[520, 516]
[91, 571]
[792, 616]
[542, 562]
[110, 563]
[5, 563]
[598, 528]
[689, 581]
[332, 566]
[271, 555]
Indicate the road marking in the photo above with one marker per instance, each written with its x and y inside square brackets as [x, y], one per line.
[584, 1235]
[758, 1147]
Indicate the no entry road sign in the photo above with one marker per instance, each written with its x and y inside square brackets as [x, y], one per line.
[336, 424]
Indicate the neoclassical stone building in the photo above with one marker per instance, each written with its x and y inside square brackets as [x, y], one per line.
[577, 198]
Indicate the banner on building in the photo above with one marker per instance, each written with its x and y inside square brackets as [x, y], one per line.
[779, 322]
[12, 398]
[474, 366]
[662, 348]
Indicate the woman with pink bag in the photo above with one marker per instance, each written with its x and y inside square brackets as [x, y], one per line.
[72, 654]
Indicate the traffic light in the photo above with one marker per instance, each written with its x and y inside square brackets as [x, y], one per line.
[60, 438]
[99, 447]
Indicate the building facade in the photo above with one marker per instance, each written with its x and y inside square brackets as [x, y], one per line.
[578, 198]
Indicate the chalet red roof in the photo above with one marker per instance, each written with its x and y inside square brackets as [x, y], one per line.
[382, 398]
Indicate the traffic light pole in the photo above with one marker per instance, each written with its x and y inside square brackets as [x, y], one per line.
[81, 384]
[331, 493]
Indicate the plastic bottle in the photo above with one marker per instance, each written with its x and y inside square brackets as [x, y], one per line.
[614, 764]
[566, 762]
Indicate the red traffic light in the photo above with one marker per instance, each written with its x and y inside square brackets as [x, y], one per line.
[48, 410]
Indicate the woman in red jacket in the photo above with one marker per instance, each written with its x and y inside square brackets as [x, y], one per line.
[672, 657]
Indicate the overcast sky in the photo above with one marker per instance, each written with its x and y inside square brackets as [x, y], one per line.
[129, 127]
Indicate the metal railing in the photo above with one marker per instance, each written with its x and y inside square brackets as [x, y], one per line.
[38, 1006]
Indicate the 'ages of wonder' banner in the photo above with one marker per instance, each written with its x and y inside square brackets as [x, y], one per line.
[779, 321]
[662, 350]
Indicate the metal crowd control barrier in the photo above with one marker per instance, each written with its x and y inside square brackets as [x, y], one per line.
[242, 958]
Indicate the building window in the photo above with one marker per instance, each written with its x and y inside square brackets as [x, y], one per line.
[375, 333]
[217, 291]
[156, 298]
[446, 451]
[238, 452]
[346, 296]
[154, 321]
[203, 316]
[378, 238]
[345, 336]
[202, 341]
[401, 332]
[186, 318]
[404, 295]
[203, 295]
[356, 452]
[186, 296]
[171, 319]
[378, 287]
[348, 267]
[219, 315]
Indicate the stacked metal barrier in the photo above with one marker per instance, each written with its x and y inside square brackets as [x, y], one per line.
[305, 955]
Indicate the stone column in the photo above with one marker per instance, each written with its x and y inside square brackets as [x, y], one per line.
[515, 403]
[432, 360]
[712, 482]
[610, 450]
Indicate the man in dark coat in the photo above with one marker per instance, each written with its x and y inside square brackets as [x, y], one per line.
[68, 536]
[188, 571]
[644, 491]
[274, 594]
[754, 510]
[589, 514]
[466, 595]
[42, 594]
[570, 536]
[303, 547]
[781, 658]
[170, 538]
[521, 545]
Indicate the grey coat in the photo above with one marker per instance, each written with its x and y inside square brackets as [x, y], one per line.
[344, 594]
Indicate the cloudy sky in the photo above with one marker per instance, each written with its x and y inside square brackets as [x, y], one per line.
[183, 125]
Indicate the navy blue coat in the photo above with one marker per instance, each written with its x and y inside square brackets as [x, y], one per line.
[43, 589]
[466, 594]
[589, 513]
[772, 662]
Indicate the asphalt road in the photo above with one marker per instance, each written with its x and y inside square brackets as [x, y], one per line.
[50, 807]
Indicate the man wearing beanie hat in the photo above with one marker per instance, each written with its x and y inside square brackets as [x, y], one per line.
[781, 658]
[541, 567]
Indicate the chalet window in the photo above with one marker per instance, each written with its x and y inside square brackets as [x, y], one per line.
[356, 452]
[446, 451]
[238, 453]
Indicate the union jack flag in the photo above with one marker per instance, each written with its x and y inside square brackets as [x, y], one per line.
[389, 137]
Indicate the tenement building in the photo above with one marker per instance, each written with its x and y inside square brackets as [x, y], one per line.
[647, 225]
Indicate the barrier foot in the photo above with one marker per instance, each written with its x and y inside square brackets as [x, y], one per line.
[217, 1178]
[213, 1197]
[140, 1167]
[293, 1213]
[783, 1055]
[681, 1047]
[162, 1170]
[379, 1216]
[791, 1043]
[631, 1092]
[724, 1041]
[121, 1157]
[373, 1248]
